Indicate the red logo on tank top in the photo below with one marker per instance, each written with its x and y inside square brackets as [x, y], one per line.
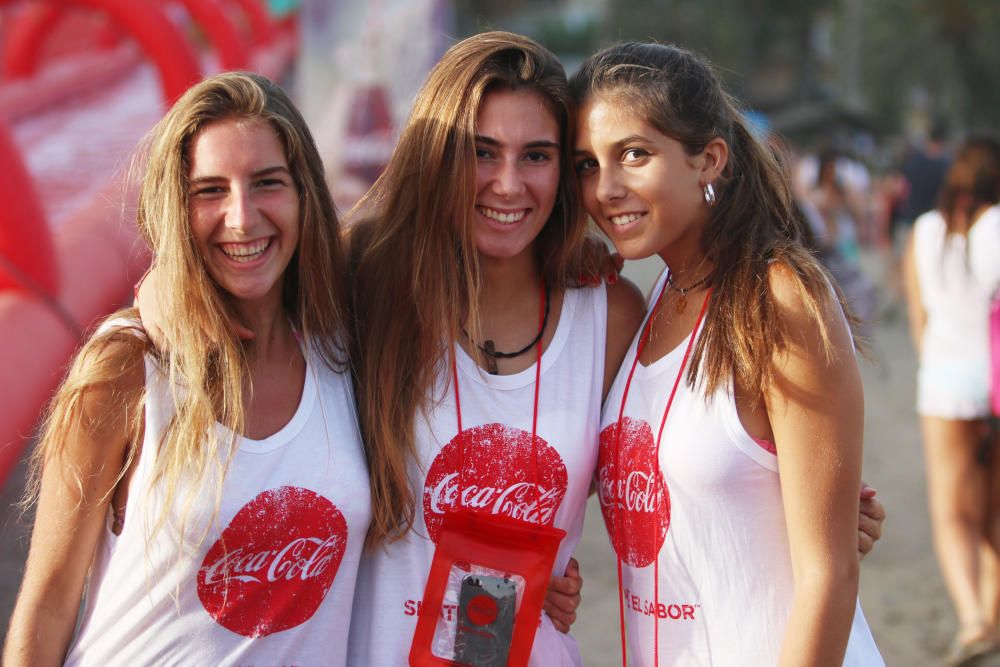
[275, 562]
[636, 496]
[498, 476]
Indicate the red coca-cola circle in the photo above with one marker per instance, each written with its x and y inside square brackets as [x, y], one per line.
[635, 500]
[491, 468]
[482, 609]
[273, 565]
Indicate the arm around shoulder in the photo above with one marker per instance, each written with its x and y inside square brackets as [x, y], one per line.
[815, 405]
[81, 456]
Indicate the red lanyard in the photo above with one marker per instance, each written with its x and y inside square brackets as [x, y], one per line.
[620, 524]
[534, 416]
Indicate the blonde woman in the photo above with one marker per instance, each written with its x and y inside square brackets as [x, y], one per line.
[217, 494]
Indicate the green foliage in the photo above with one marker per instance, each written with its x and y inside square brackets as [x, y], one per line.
[939, 57]
[932, 58]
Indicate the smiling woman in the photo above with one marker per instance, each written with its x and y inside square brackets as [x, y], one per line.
[244, 207]
[481, 367]
[212, 480]
[739, 403]
[517, 171]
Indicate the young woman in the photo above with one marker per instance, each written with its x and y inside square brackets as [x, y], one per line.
[478, 366]
[219, 490]
[744, 366]
[951, 275]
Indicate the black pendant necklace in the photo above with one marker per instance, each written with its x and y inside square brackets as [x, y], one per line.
[682, 292]
[489, 350]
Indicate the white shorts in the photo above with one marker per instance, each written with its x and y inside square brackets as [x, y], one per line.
[953, 389]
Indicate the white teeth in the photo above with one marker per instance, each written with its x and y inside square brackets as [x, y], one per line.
[245, 252]
[626, 218]
[500, 216]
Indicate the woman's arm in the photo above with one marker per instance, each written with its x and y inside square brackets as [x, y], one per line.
[816, 409]
[77, 484]
[911, 287]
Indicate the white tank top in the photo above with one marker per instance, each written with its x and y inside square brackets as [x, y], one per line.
[725, 577]
[958, 276]
[496, 419]
[295, 509]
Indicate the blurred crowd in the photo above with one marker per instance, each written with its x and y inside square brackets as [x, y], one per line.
[854, 205]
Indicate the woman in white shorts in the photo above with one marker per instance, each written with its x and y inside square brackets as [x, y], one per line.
[952, 273]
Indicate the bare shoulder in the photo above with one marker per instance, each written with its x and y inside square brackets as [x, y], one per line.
[108, 379]
[808, 309]
[626, 309]
[626, 305]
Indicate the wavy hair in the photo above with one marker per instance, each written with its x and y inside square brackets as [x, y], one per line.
[751, 226]
[203, 358]
[414, 261]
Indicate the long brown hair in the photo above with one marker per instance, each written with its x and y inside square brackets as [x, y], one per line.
[972, 182]
[415, 265]
[751, 226]
[203, 358]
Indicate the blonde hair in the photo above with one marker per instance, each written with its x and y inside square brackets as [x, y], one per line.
[204, 360]
[414, 262]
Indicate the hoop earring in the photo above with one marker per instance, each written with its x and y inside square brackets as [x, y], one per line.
[709, 194]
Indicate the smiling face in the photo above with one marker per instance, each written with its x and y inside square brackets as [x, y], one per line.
[641, 187]
[517, 171]
[243, 207]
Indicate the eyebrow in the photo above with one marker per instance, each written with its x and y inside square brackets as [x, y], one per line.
[266, 171]
[540, 143]
[620, 144]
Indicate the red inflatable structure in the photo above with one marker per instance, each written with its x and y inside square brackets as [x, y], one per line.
[27, 261]
[96, 251]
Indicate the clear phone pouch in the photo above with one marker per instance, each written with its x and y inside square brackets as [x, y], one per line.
[480, 605]
[485, 591]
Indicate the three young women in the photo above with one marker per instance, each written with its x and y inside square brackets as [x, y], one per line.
[744, 367]
[216, 493]
[480, 369]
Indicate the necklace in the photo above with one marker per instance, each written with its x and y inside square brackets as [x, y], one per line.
[534, 417]
[682, 301]
[488, 348]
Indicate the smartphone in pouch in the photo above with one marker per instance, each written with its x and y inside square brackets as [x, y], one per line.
[486, 606]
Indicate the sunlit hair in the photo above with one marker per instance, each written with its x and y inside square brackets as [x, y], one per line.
[752, 224]
[972, 183]
[416, 268]
[204, 360]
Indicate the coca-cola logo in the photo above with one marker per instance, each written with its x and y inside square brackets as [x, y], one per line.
[491, 468]
[634, 498]
[273, 565]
